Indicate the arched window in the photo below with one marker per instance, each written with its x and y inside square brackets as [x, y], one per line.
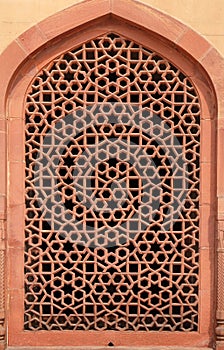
[112, 191]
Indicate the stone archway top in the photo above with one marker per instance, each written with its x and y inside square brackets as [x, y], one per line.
[129, 10]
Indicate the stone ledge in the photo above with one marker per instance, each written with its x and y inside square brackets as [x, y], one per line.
[107, 348]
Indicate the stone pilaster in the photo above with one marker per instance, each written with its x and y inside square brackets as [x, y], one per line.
[2, 285]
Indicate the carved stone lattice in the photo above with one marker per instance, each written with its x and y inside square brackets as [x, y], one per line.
[112, 192]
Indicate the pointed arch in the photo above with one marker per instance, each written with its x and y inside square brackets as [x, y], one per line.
[24, 58]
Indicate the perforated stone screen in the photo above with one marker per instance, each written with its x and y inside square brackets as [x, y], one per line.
[112, 192]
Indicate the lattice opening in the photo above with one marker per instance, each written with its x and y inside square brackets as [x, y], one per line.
[112, 192]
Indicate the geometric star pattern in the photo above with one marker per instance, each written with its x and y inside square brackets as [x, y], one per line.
[112, 192]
